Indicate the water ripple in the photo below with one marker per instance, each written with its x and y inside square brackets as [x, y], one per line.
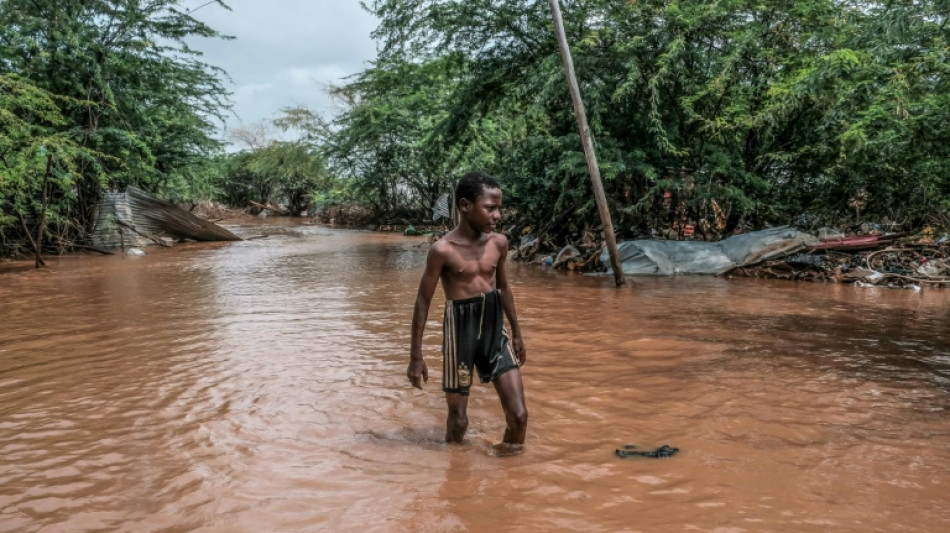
[260, 386]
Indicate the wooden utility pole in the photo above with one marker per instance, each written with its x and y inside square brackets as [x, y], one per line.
[588, 142]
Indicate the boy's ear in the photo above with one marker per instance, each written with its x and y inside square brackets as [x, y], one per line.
[465, 204]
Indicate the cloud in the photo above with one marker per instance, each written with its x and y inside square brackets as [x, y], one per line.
[316, 74]
[285, 52]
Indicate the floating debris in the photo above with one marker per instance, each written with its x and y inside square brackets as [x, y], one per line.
[662, 452]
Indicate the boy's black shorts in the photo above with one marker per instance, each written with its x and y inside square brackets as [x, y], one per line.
[474, 336]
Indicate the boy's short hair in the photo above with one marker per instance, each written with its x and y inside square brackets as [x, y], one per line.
[472, 184]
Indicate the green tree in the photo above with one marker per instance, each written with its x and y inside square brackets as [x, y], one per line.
[267, 171]
[389, 141]
[755, 111]
[128, 91]
[38, 162]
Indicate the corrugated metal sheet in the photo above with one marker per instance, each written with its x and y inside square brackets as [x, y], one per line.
[109, 233]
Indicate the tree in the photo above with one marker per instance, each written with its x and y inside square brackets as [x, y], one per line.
[128, 91]
[388, 141]
[733, 111]
[38, 164]
[269, 171]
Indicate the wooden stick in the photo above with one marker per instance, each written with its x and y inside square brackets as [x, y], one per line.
[588, 143]
[913, 278]
[89, 248]
[272, 208]
[36, 248]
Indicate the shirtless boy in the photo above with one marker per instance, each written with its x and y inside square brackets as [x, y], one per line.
[470, 261]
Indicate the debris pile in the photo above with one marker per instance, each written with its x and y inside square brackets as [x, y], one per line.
[346, 215]
[582, 257]
[898, 260]
[868, 258]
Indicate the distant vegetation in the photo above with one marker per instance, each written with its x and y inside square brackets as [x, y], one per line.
[719, 114]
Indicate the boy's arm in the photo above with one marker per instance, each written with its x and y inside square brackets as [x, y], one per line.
[508, 301]
[417, 371]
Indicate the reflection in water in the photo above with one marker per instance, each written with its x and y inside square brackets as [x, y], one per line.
[260, 386]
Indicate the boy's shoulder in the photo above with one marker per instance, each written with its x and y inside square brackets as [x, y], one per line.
[441, 246]
[500, 240]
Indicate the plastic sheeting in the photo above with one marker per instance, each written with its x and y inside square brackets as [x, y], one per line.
[666, 258]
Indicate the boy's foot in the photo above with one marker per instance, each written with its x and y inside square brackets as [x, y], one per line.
[505, 449]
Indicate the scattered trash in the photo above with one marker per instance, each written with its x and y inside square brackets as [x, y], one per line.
[933, 269]
[568, 253]
[807, 259]
[826, 234]
[411, 231]
[897, 261]
[135, 251]
[528, 246]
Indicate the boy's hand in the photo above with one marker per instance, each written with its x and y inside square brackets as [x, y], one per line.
[519, 348]
[417, 373]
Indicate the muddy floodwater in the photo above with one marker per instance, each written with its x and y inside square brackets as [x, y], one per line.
[260, 386]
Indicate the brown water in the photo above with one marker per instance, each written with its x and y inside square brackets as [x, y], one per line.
[260, 386]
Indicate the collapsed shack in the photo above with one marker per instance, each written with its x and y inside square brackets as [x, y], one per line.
[133, 218]
[665, 258]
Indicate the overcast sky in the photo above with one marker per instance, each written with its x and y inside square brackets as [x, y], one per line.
[285, 52]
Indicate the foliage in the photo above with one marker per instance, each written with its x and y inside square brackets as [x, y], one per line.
[120, 100]
[292, 173]
[38, 163]
[737, 112]
[387, 143]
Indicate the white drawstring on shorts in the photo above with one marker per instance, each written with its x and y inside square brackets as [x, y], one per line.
[481, 319]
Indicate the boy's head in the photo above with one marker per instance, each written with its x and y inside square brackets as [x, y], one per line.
[472, 185]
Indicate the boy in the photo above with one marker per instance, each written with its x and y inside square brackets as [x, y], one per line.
[470, 261]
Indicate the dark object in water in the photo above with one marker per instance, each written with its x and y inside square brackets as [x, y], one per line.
[659, 453]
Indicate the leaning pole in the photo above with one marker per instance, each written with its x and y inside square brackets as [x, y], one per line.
[588, 143]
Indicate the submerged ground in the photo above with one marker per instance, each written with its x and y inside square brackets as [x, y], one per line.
[260, 386]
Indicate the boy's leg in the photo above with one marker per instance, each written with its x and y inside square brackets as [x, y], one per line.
[511, 393]
[457, 421]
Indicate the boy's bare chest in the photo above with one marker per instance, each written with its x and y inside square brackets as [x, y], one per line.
[472, 262]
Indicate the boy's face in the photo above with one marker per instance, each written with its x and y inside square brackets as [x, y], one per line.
[483, 214]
